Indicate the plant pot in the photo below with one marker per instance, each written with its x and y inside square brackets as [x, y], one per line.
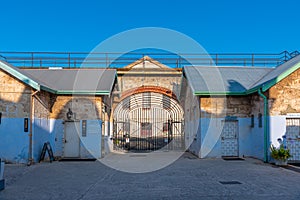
[281, 162]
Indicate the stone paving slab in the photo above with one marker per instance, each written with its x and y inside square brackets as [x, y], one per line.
[187, 178]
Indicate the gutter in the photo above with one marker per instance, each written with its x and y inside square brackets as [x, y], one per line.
[266, 125]
[216, 93]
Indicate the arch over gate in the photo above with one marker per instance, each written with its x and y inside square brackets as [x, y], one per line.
[148, 119]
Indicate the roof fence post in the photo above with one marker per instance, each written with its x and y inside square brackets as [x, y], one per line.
[106, 60]
[69, 60]
[31, 59]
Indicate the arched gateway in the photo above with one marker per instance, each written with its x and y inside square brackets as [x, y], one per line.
[148, 119]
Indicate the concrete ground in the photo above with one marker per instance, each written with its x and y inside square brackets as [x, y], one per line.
[187, 178]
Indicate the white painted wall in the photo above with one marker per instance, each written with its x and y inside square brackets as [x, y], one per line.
[277, 128]
[251, 140]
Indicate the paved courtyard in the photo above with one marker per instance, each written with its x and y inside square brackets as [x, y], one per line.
[187, 178]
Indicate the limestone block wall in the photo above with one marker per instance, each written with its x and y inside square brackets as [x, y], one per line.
[238, 106]
[14, 97]
[214, 110]
[42, 105]
[284, 104]
[190, 104]
[170, 81]
[284, 97]
[84, 107]
[14, 106]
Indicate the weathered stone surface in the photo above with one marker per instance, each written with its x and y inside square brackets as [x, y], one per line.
[170, 82]
[42, 105]
[83, 107]
[285, 95]
[14, 97]
[239, 106]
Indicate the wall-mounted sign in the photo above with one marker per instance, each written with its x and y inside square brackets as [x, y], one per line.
[83, 133]
[26, 123]
[297, 115]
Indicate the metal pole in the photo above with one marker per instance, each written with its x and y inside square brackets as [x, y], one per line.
[69, 60]
[31, 59]
[266, 126]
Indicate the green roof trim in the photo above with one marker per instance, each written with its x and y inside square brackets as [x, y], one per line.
[23, 78]
[48, 89]
[83, 92]
[205, 93]
[75, 92]
[285, 74]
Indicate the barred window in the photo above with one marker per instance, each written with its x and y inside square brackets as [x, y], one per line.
[146, 100]
[166, 101]
[126, 103]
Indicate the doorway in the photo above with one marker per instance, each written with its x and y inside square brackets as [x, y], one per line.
[229, 138]
[72, 141]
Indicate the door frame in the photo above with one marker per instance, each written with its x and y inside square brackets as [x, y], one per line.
[237, 137]
[65, 136]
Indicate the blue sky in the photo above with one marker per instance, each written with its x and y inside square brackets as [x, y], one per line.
[219, 26]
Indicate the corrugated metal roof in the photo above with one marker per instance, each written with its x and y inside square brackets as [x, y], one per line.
[274, 76]
[83, 81]
[223, 80]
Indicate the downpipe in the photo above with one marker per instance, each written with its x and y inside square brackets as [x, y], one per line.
[31, 113]
[266, 125]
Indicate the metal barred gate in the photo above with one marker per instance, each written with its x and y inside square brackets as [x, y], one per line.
[293, 138]
[148, 121]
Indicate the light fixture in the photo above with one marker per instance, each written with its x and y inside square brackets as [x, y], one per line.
[69, 114]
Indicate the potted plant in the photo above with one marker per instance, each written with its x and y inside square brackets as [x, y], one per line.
[280, 155]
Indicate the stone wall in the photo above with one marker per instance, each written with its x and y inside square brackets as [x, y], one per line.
[284, 97]
[190, 104]
[42, 105]
[14, 97]
[82, 106]
[169, 81]
[238, 106]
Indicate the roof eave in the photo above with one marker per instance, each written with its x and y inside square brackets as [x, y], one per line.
[72, 92]
[47, 89]
[207, 93]
[19, 76]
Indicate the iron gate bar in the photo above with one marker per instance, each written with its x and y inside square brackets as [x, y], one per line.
[146, 131]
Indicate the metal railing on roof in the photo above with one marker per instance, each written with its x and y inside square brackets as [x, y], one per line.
[118, 60]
